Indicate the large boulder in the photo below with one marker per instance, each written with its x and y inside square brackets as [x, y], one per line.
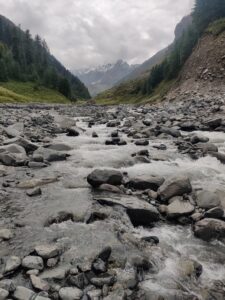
[98, 177]
[207, 200]
[179, 208]
[139, 211]
[176, 186]
[209, 229]
[145, 183]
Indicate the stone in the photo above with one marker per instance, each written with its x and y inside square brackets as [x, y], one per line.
[8, 285]
[110, 188]
[176, 186]
[215, 213]
[58, 273]
[60, 217]
[199, 139]
[33, 262]
[72, 132]
[22, 293]
[60, 147]
[32, 183]
[34, 192]
[103, 279]
[219, 156]
[70, 293]
[139, 211]
[208, 200]
[98, 177]
[213, 123]
[12, 264]
[27, 145]
[52, 262]
[209, 229]
[39, 283]
[145, 183]
[179, 207]
[47, 251]
[154, 240]
[3, 294]
[141, 143]
[6, 234]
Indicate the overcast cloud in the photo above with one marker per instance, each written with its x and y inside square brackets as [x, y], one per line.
[84, 33]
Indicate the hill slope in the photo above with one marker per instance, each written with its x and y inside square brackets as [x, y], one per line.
[23, 58]
[204, 71]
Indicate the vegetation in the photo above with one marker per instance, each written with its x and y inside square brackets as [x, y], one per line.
[24, 92]
[205, 12]
[25, 59]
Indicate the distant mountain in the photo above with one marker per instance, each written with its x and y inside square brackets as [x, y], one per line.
[104, 77]
[25, 59]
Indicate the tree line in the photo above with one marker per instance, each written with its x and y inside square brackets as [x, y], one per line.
[204, 12]
[23, 58]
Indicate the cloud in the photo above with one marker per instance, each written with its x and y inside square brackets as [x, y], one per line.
[84, 33]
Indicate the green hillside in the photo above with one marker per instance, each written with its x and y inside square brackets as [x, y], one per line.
[28, 92]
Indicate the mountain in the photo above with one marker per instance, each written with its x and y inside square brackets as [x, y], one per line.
[130, 85]
[24, 59]
[104, 77]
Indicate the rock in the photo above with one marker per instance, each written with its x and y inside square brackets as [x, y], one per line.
[207, 200]
[32, 183]
[14, 130]
[154, 240]
[72, 132]
[199, 139]
[113, 123]
[50, 155]
[139, 212]
[33, 262]
[37, 165]
[3, 294]
[94, 134]
[147, 122]
[79, 280]
[110, 188]
[39, 284]
[176, 186]
[188, 268]
[52, 262]
[214, 123]
[98, 177]
[34, 192]
[27, 145]
[179, 208]
[22, 293]
[103, 279]
[60, 217]
[99, 264]
[47, 251]
[6, 234]
[12, 263]
[8, 285]
[58, 273]
[70, 293]
[8, 159]
[219, 156]
[209, 229]
[141, 143]
[170, 131]
[145, 183]
[207, 147]
[215, 213]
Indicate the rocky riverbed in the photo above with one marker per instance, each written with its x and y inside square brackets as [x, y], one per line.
[113, 202]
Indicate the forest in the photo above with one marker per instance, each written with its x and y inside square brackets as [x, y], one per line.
[27, 59]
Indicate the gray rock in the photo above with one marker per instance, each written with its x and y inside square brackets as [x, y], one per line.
[58, 273]
[207, 200]
[142, 143]
[47, 251]
[60, 147]
[199, 139]
[33, 262]
[145, 183]
[179, 208]
[139, 211]
[70, 293]
[34, 192]
[37, 165]
[215, 213]
[39, 283]
[3, 294]
[219, 156]
[209, 229]
[27, 145]
[176, 186]
[22, 293]
[98, 177]
[6, 234]
[8, 285]
[12, 263]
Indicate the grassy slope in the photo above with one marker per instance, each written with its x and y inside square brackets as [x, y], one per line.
[24, 92]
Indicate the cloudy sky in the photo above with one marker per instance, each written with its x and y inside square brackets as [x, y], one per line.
[85, 33]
